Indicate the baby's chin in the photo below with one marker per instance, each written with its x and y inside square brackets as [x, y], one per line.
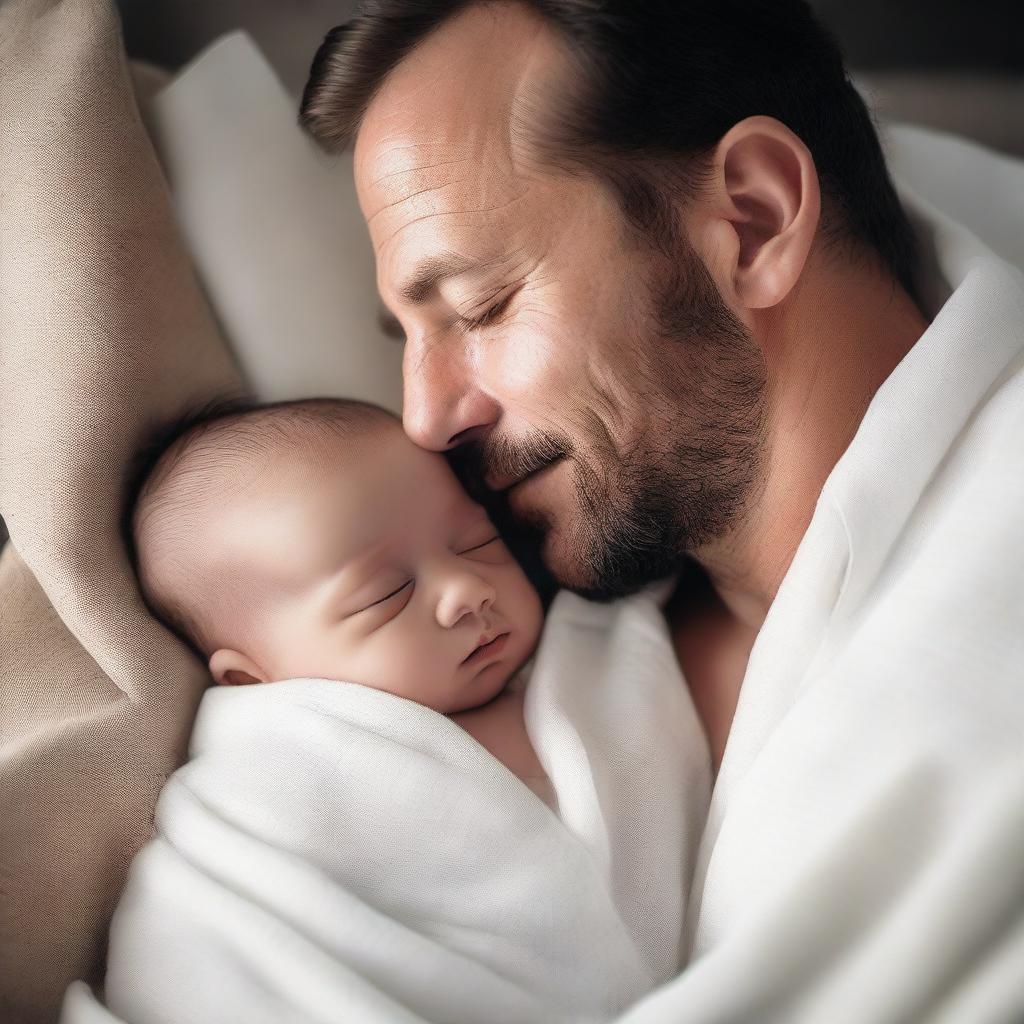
[486, 686]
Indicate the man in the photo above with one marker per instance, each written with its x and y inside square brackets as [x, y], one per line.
[642, 375]
[659, 294]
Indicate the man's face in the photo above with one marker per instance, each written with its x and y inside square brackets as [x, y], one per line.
[595, 384]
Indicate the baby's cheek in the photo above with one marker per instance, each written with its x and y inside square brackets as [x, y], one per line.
[526, 611]
[404, 661]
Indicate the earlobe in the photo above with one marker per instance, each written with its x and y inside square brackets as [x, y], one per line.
[772, 204]
[232, 668]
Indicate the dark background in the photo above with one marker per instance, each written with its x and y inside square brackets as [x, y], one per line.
[937, 35]
[950, 64]
[878, 34]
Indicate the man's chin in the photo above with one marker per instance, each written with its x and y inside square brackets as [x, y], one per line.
[549, 555]
[554, 556]
[567, 568]
[572, 566]
[587, 584]
[598, 568]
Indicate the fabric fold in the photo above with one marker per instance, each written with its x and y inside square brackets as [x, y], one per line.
[327, 840]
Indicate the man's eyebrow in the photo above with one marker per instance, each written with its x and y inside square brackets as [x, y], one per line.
[425, 278]
[432, 270]
[430, 273]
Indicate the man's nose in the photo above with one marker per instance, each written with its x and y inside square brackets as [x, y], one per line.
[463, 593]
[442, 403]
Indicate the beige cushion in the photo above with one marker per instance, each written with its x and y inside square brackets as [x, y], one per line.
[102, 329]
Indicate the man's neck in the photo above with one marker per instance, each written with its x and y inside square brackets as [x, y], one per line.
[828, 349]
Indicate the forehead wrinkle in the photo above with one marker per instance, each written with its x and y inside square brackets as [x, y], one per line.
[404, 166]
[411, 170]
[424, 179]
[400, 155]
[415, 195]
[428, 199]
[393, 161]
[457, 212]
[405, 172]
[385, 242]
[489, 132]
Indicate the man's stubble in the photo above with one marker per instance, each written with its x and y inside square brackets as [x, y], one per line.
[699, 383]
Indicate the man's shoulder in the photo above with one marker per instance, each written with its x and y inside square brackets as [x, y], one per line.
[946, 611]
[986, 460]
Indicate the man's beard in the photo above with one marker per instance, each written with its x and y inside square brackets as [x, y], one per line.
[642, 510]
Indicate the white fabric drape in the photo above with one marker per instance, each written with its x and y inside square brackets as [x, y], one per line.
[334, 852]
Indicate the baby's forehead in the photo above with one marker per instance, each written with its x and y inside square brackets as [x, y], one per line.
[248, 465]
[358, 488]
[374, 458]
[269, 451]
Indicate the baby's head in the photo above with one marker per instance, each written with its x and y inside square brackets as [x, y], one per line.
[313, 538]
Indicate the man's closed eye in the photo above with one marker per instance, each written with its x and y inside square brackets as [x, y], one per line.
[492, 313]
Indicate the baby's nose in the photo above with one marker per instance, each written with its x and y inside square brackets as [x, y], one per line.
[464, 595]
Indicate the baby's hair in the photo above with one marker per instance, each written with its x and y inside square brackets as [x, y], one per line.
[179, 457]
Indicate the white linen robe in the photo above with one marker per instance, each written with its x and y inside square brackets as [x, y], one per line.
[863, 858]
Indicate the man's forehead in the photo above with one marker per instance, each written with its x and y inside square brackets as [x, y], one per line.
[438, 134]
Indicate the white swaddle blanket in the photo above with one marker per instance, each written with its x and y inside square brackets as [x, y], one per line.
[333, 852]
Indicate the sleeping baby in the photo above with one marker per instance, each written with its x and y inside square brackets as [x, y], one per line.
[407, 801]
[314, 539]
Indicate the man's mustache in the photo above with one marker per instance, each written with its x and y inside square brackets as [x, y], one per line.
[504, 458]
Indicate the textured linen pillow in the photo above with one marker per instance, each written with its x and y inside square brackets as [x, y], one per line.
[103, 329]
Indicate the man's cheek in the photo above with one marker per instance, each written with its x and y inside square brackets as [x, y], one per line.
[524, 364]
[534, 375]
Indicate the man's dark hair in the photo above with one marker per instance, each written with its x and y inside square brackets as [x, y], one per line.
[663, 81]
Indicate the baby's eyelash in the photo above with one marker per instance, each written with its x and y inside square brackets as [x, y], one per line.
[478, 546]
[388, 597]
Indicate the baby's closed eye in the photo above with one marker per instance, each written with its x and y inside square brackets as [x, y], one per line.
[388, 596]
[477, 547]
[491, 551]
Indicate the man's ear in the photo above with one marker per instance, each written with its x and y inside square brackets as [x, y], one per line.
[767, 208]
[232, 668]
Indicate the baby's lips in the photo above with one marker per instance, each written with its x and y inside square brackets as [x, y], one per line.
[485, 638]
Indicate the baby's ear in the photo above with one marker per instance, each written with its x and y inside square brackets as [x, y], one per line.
[232, 668]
